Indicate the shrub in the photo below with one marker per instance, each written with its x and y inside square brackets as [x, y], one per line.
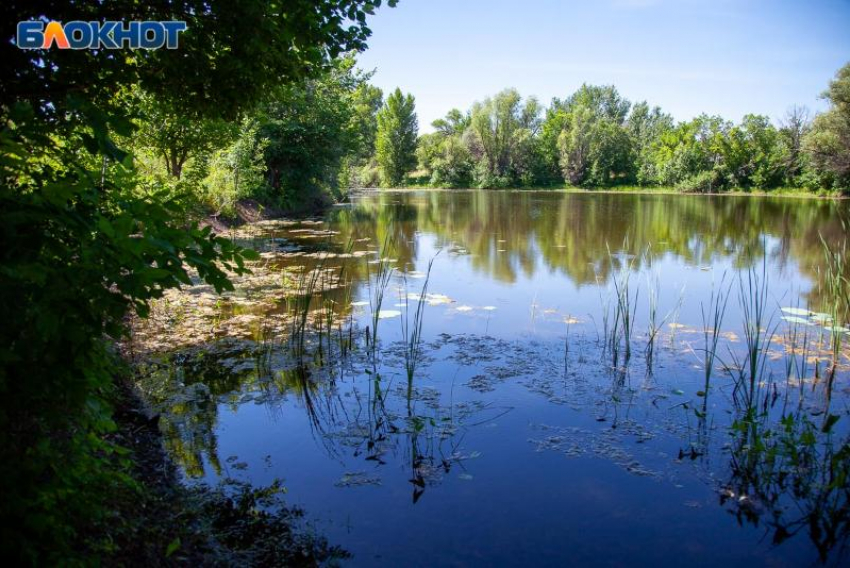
[703, 182]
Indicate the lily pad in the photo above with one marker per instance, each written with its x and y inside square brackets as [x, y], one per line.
[797, 312]
[795, 319]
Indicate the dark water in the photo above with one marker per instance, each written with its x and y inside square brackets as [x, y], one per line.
[521, 440]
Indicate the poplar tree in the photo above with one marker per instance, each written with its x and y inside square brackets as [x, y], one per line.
[395, 142]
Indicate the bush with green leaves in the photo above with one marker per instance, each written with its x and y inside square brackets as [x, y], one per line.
[236, 172]
[86, 239]
[82, 248]
[703, 182]
[313, 129]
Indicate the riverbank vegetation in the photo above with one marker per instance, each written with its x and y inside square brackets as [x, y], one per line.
[350, 136]
[108, 160]
[101, 157]
[596, 138]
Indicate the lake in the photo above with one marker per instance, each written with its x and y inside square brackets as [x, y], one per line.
[587, 379]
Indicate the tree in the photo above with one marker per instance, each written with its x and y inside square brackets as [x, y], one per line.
[395, 143]
[311, 127]
[501, 138]
[792, 132]
[175, 137]
[594, 147]
[646, 126]
[82, 246]
[227, 59]
[828, 142]
[453, 124]
[603, 101]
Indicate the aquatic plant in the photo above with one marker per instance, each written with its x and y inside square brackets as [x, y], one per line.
[378, 287]
[759, 329]
[711, 324]
[625, 308]
[792, 475]
[835, 288]
[298, 307]
[412, 332]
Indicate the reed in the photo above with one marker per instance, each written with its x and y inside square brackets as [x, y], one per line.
[712, 320]
[412, 331]
[625, 308]
[298, 308]
[834, 289]
[378, 287]
[759, 330]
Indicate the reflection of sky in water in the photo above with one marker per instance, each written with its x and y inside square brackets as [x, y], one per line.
[542, 465]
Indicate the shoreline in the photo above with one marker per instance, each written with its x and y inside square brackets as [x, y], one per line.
[778, 193]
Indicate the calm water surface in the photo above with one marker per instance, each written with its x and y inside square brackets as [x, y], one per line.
[520, 440]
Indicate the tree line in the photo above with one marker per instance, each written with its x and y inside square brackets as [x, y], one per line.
[597, 138]
[312, 141]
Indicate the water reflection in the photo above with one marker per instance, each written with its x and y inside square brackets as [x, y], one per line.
[551, 375]
[511, 233]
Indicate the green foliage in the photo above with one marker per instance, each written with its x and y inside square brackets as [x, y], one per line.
[594, 147]
[594, 151]
[175, 137]
[228, 58]
[703, 182]
[311, 127]
[828, 141]
[82, 248]
[87, 238]
[369, 175]
[444, 154]
[237, 171]
[646, 126]
[395, 145]
[597, 138]
[502, 139]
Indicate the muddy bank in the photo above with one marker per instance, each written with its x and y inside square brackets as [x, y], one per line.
[251, 211]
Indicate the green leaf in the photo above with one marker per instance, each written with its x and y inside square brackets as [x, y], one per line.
[829, 423]
[172, 547]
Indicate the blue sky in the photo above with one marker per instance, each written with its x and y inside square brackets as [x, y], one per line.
[726, 57]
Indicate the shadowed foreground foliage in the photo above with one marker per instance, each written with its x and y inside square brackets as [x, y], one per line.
[86, 238]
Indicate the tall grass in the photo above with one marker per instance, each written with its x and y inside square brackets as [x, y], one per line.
[835, 288]
[378, 287]
[759, 330]
[712, 320]
[298, 308]
[625, 308]
[412, 331]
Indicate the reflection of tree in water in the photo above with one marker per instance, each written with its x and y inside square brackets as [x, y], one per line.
[185, 389]
[792, 475]
[367, 417]
[573, 232]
